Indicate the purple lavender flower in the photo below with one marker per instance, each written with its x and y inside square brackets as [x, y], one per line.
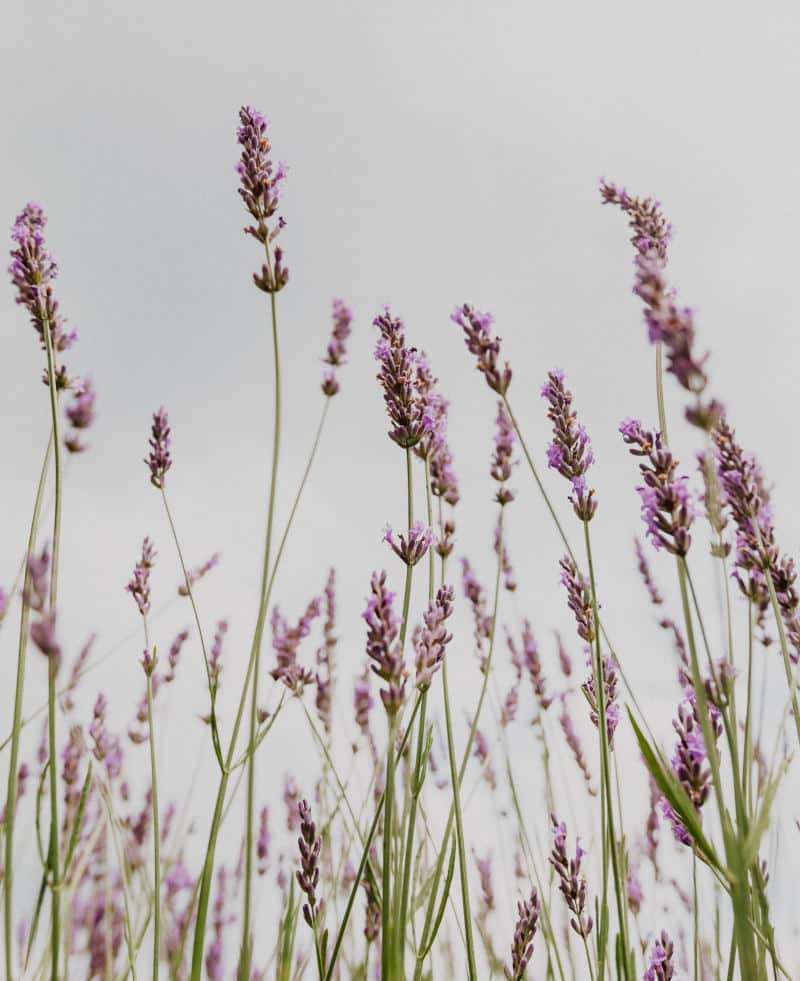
[200, 572]
[43, 634]
[308, 873]
[406, 406]
[564, 660]
[139, 585]
[37, 580]
[260, 188]
[589, 689]
[444, 482]
[383, 648]
[574, 743]
[667, 506]
[32, 272]
[570, 453]
[502, 458]
[757, 554]
[690, 761]
[433, 638]
[325, 656]
[524, 932]
[486, 348]
[481, 754]
[572, 884]
[372, 913]
[215, 659]
[476, 595]
[174, 654]
[661, 967]
[263, 840]
[509, 581]
[579, 598]
[106, 748]
[647, 577]
[411, 547]
[446, 541]
[667, 323]
[362, 702]
[286, 640]
[533, 663]
[484, 866]
[80, 414]
[634, 889]
[159, 460]
[337, 346]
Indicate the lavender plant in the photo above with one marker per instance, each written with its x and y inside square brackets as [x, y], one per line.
[117, 872]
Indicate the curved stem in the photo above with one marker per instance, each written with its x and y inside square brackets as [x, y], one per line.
[11, 793]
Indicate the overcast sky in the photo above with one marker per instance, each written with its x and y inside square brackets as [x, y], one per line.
[437, 153]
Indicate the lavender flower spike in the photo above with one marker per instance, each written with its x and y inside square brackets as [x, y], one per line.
[578, 598]
[485, 347]
[32, 272]
[382, 646]
[433, 638]
[661, 967]
[589, 689]
[139, 585]
[80, 414]
[572, 884]
[406, 406]
[337, 346]
[308, 873]
[159, 460]
[522, 947]
[412, 547]
[667, 506]
[260, 186]
[502, 456]
[570, 453]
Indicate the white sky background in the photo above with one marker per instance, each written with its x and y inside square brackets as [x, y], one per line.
[437, 154]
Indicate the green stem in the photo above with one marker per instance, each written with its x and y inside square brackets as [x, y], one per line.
[620, 888]
[244, 962]
[53, 856]
[388, 810]
[156, 835]
[11, 793]
[456, 779]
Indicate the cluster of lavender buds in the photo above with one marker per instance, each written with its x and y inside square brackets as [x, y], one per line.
[667, 506]
[690, 761]
[139, 585]
[444, 482]
[32, 272]
[647, 577]
[484, 866]
[432, 640]
[308, 873]
[579, 598]
[337, 346]
[500, 549]
[362, 702]
[667, 323]
[524, 932]
[159, 460]
[36, 585]
[325, 655]
[215, 659]
[43, 634]
[475, 593]
[263, 840]
[260, 182]
[589, 689]
[757, 554]
[533, 664]
[76, 672]
[200, 572]
[80, 414]
[661, 967]
[481, 754]
[406, 405]
[572, 885]
[486, 348]
[502, 458]
[573, 742]
[106, 748]
[286, 640]
[383, 648]
[412, 547]
[372, 913]
[570, 452]
[173, 655]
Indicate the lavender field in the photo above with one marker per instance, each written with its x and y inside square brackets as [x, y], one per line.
[398, 562]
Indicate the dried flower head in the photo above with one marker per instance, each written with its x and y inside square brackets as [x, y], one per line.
[308, 873]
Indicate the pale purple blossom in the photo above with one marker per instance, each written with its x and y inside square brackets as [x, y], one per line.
[570, 452]
[337, 346]
[160, 459]
[484, 345]
[410, 547]
[572, 885]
